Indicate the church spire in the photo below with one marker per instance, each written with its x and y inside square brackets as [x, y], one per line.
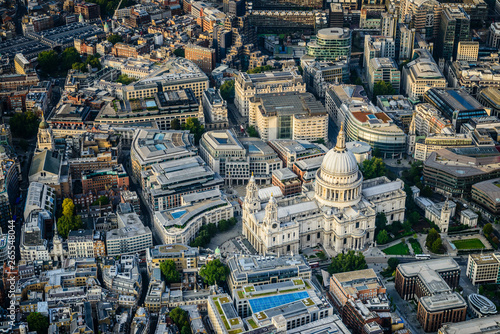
[340, 146]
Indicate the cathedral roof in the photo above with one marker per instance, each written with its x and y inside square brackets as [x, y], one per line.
[339, 160]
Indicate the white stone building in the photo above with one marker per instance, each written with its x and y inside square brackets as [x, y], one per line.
[337, 214]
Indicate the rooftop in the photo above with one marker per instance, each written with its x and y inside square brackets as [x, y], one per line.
[443, 301]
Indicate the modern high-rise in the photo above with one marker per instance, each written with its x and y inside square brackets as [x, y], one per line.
[484, 268]
[422, 15]
[378, 47]
[494, 35]
[454, 27]
[331, 44]
[386, 70]
[467, 51]
[405, 41]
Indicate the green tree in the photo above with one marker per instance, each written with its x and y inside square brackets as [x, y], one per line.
[224, 225]
[179, 317]
[426, 192]
[170, 272]
[102, 200]
[260, 69]
[114, 38]
[227, 90]
[195, 127]
[349, 261]
[214, 272]
[413, 218]
[382, 237]
[175, 124]
[125, 79]
[68, 221]
[380, 222]
[179, 52]
[431, 237]
[252, 132]
[396, 227]
[24, 125]
[69, 57]
[437, 246]
[48, 60]
[38, 322]
[372, 168]
[393, 262]
[382, 88]
[94, 61]
[79, 67]
[488, 229]
[186, 330]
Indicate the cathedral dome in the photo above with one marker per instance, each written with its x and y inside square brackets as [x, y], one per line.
[339, 161]
[43, 125]
[339, 181]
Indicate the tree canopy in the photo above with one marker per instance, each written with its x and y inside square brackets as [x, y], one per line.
[372, 168]
[431, 237]
[48, 60]
[24, 125]
[195, 127]
[252, 131]
[68, 221]
[38, 322]
[349, 261]
[382, 88]
[227, 90]
[69, 57]
[180, 52]
[181, 319]
[114, 38]
[125, 79]
[102, 200]
[260, 69]
[170, 272]
[214, 272]
[413, 218]
[382, 237]
[175, 124]
[108, 7]
[488, 229]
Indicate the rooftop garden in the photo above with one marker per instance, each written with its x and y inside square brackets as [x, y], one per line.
[249, 289]
[252, 323]
[298, 281]
[308, 302]
[261, 316]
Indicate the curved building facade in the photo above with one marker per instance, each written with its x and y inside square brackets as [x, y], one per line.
[331, 44]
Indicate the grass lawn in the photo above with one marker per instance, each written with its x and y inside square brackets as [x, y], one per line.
[417, 249]
[468, 244]
[398, 249]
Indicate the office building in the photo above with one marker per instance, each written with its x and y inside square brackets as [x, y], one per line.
[263, 159]
[432, 283]
[225, 155]
[331, 44]
[454, 28]
[453, 171]
[256, 269]
[288, 182]
[292, 151]
[378, 47]
[433, 311]
[319, 74]
[89, 11]
[429, 120]
[248, 86]
[425, 146]
[467, 51]
[150, 147]
[386, 70]
[130, 237]
[483, 268]
[481, 306]
[487, 325]
[122, 275]
[33, 245]
[215, 109]
[40, 197]
[485, 194]
[103, 179]
[405, 41]
[223, 316]
[455, 104]
[80, 243]
[490, 98]
[176, 74]
[494, 35]
[185, 257]
[423, 15]
[201, 56]
[181, 224]
[164, 183]
[421, 74]
[288, 116]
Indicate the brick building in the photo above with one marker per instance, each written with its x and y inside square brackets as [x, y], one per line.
[89, 11]
[433, 311]
[287, 181]
[114, 177]
[201, 56]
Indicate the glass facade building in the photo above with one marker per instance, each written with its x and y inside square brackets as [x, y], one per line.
[331, 44]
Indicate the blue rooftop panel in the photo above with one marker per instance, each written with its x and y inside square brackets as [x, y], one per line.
[265, 303]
